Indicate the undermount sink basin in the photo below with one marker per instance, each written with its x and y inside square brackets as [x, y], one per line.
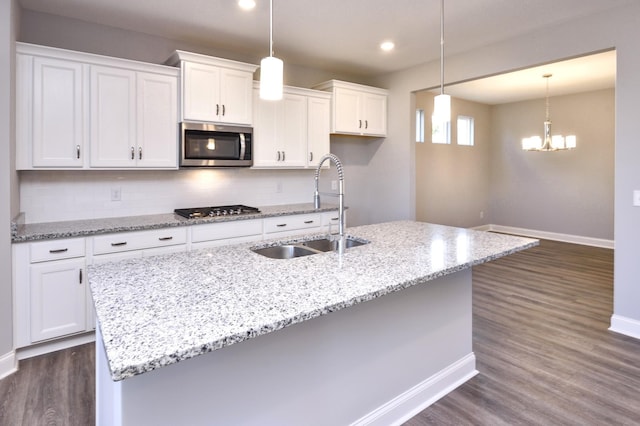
[305, 248]
[325, 244]
[286, 251]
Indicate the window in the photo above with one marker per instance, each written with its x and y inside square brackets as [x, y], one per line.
[420, 125]
[465, 130]
[440, 131]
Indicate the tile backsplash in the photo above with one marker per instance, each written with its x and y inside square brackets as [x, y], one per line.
[50, 196]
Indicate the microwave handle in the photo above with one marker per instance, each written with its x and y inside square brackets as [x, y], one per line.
[243, 146]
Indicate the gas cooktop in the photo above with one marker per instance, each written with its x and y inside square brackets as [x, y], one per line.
[233, 210]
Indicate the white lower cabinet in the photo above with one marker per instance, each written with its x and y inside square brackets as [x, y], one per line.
[126, 245]
[51, 294]
[275, 227]
[220, 234]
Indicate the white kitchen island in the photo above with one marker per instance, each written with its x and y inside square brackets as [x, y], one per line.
[227, 336]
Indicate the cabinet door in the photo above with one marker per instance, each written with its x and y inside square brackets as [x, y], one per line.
[346, 115]
[236, 94]
[374, 113]
[293, 131]
[113, 117]
[157, 121]
[266, 147]
[201, 92]
[57, 113]
[58, 299]
[319, 123]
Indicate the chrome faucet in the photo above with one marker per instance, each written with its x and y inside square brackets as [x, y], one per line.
[340, 195]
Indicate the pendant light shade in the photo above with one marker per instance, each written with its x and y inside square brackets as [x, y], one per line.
[442, 102]
[271, 78]
[271, 75]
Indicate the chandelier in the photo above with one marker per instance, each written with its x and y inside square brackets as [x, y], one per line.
[549, 143]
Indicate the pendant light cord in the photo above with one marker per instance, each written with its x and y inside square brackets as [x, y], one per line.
[546, 76]
[441, 47]
[270, 27]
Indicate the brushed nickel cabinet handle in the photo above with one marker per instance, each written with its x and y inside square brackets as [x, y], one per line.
[58, 251]
[359, 124]
[80, 276]
[133, 153]
[308, 221]
[217, 109]
[165, 238]
[311, 156]
[280, 225]
[123, 243]
[78, 152]
[366, 124]
[224, 110]
[140, 153]
[278, 155]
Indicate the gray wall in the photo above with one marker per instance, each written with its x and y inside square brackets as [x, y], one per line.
[568, 192]
[619, 29]
[452, 181]
[9, 16]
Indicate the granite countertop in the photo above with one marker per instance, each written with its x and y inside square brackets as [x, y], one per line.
[164, 309]
[82, 228]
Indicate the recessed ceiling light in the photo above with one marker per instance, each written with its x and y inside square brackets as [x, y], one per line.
[387, 46]
[247, 4]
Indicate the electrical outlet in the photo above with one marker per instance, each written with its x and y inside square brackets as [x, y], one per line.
[334, 185]
[116, 194]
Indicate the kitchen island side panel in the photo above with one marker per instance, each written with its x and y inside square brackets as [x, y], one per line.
[337, 369]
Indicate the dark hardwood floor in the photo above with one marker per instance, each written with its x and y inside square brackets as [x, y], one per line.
[57, 389]
[543, 350]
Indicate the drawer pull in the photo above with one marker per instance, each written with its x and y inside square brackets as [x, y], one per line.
[165, 238]
[80, 276]
[280, 225]
[335, 218]
[308, 221]
[58, 251]
[124, 243]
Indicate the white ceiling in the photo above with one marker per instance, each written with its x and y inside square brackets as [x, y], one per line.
[337, 35]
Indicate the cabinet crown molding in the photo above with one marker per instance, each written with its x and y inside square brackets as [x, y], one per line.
[181, 56]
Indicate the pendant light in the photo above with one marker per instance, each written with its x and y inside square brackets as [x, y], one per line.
[442, 102]
[271, 68]
[548, 142]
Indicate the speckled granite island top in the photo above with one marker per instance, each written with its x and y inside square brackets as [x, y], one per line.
[161, 310]
[81, 228]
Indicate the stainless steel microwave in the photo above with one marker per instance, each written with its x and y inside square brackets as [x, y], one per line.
[215, 145]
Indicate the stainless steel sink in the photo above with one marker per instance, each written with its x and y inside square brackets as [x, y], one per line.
[286, 251]
[324, 244]
[305, 248]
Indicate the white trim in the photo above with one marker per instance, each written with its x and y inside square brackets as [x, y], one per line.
[409, 403]
[8, 364]
[627, 326]
[55, 345]
[555, 236]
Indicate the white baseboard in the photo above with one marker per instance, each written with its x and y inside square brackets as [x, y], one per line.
[55, 345]
[627, 326]
[567, 238]
[8, 364]
[410, 403]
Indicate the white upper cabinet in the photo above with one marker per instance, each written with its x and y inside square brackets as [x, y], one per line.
[292, 132]
[50, 112]
[357, 109]
[133, 119]
[113, 117]
[78, 110]
[214, 89]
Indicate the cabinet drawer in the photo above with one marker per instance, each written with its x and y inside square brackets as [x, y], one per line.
[292, 223]
[125, 241]
[45, 251]
[221, 231]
